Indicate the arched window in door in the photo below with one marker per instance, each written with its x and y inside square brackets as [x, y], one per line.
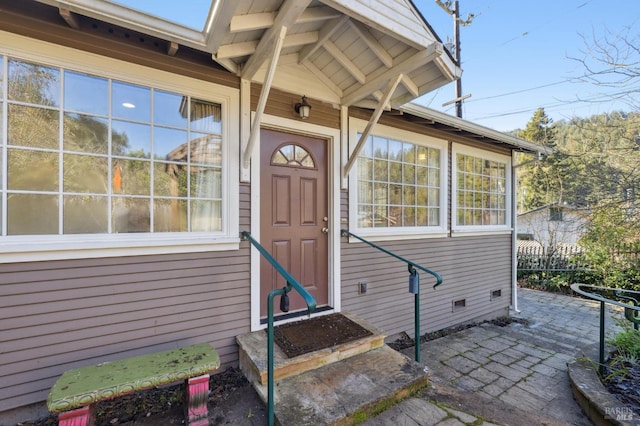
[293, 156]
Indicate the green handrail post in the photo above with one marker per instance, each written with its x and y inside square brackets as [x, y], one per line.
[413, 273]
[630, 314]
[270, 368]
[601, 357]
[291, 284]
[630, 311]
[415, 276]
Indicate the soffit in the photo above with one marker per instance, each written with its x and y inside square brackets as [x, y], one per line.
[348, 50]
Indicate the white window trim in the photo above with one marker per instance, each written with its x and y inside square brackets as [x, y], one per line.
[58, 247]
[397, 233]
[479, 229]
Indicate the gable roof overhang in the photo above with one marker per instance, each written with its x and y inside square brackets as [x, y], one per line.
[338, 51]
[470, 130]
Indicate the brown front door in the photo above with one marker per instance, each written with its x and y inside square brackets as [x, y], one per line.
[293, 215]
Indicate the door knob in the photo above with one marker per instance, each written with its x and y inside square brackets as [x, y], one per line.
[325, 230]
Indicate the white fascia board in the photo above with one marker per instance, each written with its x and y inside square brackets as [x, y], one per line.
[449, 120]
[448, 67]
[134, 20]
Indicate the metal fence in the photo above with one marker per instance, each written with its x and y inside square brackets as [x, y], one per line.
[538, 258]
[534, 257]
[627, 255]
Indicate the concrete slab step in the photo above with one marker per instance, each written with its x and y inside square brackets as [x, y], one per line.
[347, 391]
[253, 354]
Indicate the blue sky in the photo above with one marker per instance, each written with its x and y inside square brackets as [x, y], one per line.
[515, 57]
[515, 54]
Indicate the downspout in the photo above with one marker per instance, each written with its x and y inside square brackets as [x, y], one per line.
[514, 225]
[514, 233]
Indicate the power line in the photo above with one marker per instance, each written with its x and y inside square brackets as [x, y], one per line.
[523, 90]
[557, 16]
[556, 105]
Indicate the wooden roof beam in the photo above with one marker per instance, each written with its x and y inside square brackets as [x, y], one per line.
[373, 44]
[70, 18]
[260, 21]
[323, 36]
[226, 63]
[323, 78]
[358, 92]
[411, 87]
[253, 21]
[379, 95]
[288, 14]
[172, 48]
[236, 50]
[344, 60]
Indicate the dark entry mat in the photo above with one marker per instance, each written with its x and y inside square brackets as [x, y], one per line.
[301, 337]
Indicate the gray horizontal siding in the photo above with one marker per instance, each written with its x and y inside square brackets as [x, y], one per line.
[64, 314]
[471, 268]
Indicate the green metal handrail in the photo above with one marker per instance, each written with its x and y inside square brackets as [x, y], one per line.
[630, 311]
[291, 284]
[412, 266]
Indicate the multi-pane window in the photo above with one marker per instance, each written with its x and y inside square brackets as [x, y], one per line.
[92, 155]
[398, 185]
[555, 214]
[480, 191]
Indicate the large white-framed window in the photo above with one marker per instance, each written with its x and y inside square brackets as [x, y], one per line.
[105, 158]
[397, 188]
[481, 190]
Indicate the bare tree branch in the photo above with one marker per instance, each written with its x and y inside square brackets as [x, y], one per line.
[613, 61]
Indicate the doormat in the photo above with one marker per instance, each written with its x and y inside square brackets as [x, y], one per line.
[301, 337]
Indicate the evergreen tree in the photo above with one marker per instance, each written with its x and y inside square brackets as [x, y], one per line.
[540, 182]
[540, 129]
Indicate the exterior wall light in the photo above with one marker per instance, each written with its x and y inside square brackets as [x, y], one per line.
[303, 108]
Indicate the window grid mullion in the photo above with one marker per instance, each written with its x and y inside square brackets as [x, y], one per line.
[152, 167]
[3, 153]
[110, 198]
[61, 155]
[188, 197]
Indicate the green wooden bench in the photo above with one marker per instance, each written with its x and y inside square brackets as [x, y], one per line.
[75, 393]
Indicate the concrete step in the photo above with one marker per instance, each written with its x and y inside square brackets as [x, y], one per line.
[253, 354]
[348, 391]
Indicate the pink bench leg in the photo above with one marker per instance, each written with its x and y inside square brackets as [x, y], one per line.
[197, 395]
[84, 416]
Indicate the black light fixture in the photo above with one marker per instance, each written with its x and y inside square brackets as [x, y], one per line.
[303, 108]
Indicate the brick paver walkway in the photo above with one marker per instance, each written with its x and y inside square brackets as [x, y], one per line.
[518, 366]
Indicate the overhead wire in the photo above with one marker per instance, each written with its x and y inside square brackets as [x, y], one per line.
[557, 16]
[602, 97]
[523, 34]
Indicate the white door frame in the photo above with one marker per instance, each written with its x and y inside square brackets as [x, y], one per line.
[333, 199]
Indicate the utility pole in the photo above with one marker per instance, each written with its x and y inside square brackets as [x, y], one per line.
[456, 43]
[453, 9]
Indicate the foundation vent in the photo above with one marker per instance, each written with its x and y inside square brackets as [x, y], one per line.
[459, 304]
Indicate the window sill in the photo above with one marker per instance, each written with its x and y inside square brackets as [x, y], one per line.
[480, 232]
[389, 236]
[55, 247]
